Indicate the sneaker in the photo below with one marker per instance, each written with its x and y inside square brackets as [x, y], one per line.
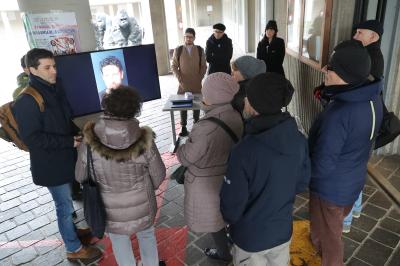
[356, 214]
[346, 228]
[212, 253]
[184, 132]
[85, 253]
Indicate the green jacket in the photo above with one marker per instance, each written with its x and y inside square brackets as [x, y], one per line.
[22, 81]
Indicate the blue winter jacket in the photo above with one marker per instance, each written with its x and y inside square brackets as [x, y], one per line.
[340, 142]
[265, 171]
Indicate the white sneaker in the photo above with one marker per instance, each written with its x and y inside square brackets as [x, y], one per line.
[356, 214]
[346, 228]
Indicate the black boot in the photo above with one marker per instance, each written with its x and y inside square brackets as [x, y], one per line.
[184, 132]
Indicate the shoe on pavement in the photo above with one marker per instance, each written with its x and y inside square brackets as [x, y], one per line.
[85, 253]
[85, 235]
[346, 228]
[213, 254]
[184, 132]
[356, 214]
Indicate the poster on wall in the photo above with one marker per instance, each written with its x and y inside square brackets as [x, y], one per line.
[57, 32]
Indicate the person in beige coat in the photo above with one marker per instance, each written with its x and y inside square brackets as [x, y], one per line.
[205, 154]
[189, 67]
[128, 168]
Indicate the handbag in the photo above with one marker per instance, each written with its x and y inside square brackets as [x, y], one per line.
[93, 205]
[389, 130]
[179, 173]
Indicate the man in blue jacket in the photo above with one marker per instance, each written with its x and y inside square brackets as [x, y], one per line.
[340, 142]
[266, 170]
[49, 137]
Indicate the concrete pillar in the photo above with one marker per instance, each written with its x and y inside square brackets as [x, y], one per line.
[79, 7]
[251, 24]
[160, 35]
[180, 9]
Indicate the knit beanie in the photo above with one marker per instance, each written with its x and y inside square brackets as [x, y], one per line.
[267, 93]
[219, 88]
[272, 25]
[351, 62]
[373, 25]
[249, 66]
[219, 26]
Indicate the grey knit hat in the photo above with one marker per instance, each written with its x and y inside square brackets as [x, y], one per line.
[250, 66]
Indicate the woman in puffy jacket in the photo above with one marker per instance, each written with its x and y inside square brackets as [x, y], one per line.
[128, 168]
[205, 154]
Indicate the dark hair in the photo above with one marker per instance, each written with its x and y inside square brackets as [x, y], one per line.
[110, 60]
[23, 63]
[191, 31]
[123, 102]
[271, 25]
[34, 55]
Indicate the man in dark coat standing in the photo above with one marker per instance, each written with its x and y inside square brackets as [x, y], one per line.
[266, 169]
[219, 50]
[49, 136]
[340, 142]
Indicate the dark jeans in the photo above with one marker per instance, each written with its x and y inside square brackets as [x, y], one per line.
[326, 229]
[196, 116]
[222, 243]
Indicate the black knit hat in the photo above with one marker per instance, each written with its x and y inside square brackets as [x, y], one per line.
[272, 25]
[219, 26]
[268, 92]
[373, 25]
[351, 62]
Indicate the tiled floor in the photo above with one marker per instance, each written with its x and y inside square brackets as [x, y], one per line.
[29, 233]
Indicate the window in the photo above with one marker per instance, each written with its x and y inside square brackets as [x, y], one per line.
[308, 27]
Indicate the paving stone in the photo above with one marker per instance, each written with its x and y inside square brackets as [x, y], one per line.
[28, 206]
[304, 195]
[2, 191]
[391, 225]
[9, 204]
[6, 226]
[16, 185]
[205, 241]
[299, 202]
[349, 247]
[28, 197]
[386, 173]
[394, 261]
[39, 222]
[9, 249]
[50, 244]
[18, 232]
[50, 229]
[394, 214]
[24, 217]
[357, 262]
[30, 239]
[193, 255]
[173, 193]
[364, 223]
[303, 213]
[369, 190]
[24, 256]
[356, 234]
[43, 209]
[9, 214]
[27, 189]
[177, 221]
[171, 209]
[180, 201]
[10, 195]
[45, 199]
[6, 261]
[373, 211]
[395, 181]
[380, 200]
[161, 219]
[373, 252]
[385, 237]
[390, 162]
[54, 257]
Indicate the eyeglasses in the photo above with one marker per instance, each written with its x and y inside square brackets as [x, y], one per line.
[188, 37]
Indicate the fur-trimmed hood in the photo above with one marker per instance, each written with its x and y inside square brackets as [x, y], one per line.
[119, 140]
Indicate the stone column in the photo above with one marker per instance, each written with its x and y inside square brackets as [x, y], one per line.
[158, 22]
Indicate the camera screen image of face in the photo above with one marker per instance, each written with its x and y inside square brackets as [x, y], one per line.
[86, 77]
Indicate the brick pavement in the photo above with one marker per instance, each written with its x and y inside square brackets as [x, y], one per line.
[29, 233]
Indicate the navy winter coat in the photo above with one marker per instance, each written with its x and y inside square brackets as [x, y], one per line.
[48, 135]
[266, 170]
[340, 142]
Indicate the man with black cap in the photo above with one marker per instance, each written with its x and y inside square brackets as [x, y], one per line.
[219, 50]
[265, 171]
[340, 141]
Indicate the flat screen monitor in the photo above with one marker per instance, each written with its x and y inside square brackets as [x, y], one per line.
[86, 77]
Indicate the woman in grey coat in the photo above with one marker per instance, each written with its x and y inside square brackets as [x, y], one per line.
[206, 154]
[128, 168]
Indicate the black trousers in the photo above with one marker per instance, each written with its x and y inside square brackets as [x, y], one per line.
[222, 243]
[196, 117]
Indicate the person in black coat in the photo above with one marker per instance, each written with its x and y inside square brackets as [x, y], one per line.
[219, 50]
[271, 49]
[49, 135]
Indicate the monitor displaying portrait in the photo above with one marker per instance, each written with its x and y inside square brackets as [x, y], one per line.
[86, 77]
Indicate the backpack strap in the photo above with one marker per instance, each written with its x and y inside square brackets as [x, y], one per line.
[224, 126]
[200, 51]
[36, 95]
[179, 52]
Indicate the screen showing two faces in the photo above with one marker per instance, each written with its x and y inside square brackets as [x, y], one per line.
[86, 77]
